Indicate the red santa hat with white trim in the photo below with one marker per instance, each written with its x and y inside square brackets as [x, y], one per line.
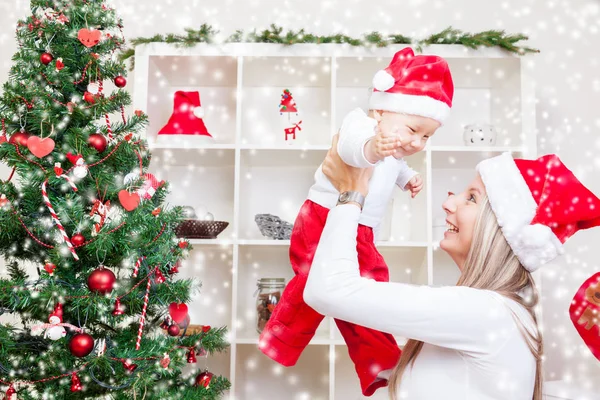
[418, 85]
[539, 204]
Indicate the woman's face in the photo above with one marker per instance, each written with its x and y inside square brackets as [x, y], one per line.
[462, 210]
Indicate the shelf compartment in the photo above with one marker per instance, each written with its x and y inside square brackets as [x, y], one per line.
[347, 384]
[214, 77]
[260, 378]
[445, 271]
[265, 79]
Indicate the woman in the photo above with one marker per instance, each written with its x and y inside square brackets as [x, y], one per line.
[479, 339]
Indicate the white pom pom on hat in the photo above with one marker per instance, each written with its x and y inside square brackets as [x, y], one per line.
[383, 81]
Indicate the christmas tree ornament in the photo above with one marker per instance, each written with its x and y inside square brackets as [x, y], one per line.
[56, 313]
[75, 383]
[201, 351]
[10, 393]
[78, 239]
[149, 186]
[49, 267]
[81, 344]
[138, 264]
[129, 201]
[156, 211]
[175, 268]
[287, 108]
[159, 277]
[80, 170]
[40, 147]
[182, 244]
[166, 323]
[98, 142]
[57, 222]
[129, 366]
[191, 356]
[138, 113]
[143, 316]
[89, 38]
[89, 98]
[585, 313]
[59, 65]
[166, 360]
[189, 212]
[203, 379]
[3, 201]
[101, 280]
[208, 217]
[187, 117]
[99, 214]
[178, 312]
[120, 82]
[46, 58]
[19, 138]
[71, 106]
[93, 88]
[118, 310]
[58, 169]
[173, 330]
[130, 177]
[205, 328]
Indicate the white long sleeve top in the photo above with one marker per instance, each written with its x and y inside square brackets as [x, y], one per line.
[357, 128]
[472, 350]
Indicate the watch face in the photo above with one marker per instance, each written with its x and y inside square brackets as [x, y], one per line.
[344, 196]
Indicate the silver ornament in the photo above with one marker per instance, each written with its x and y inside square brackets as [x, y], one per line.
[130, 178]
[209, 217]
[189, 212]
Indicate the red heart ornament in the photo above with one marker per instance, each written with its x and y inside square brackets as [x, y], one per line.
[178, 312]
[129, 201]
[89, 38]
[40, 147]
[585, 313]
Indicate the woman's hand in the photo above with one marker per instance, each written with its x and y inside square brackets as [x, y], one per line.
[343, 176]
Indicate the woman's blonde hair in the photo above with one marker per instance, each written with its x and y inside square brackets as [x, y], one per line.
[491, 265]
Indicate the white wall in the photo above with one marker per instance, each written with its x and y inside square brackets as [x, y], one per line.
[566, 73]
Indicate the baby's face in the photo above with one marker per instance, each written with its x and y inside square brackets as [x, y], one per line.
[414, 131]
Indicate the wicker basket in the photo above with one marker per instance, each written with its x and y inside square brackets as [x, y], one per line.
[196, 229]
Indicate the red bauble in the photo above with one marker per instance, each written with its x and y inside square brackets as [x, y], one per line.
[49, 267]
[173, 330]
[89, 97]
[120, 81]
[46, 58]
[203, 379]
[101, 281]
[19, 138]
[75, 383]
[98, 142]
[77, 239]
[81, 345]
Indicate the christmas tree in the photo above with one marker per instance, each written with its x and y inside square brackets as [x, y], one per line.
[287, 103]
[89, 244]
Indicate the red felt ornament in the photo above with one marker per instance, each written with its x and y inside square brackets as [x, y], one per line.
[175, 268]
[585, 313]
[173, 330]
[118, 310]
[129, 366]
[77, 239]
[120, 82]
[191, 356]
[46, 58]
[205, 328]
[178, 312]
[203, 379]
[98, 142]
[101, 280]
[59, 64]
[40, 147]
[75, 383]
[159, 277]
[49, 267]
[89, 38]
[81, 345]
[19, 138]
[129, 201]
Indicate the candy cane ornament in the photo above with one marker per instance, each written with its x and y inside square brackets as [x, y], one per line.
[57, 221]
[109, 129]
[138, 263]
[143, 317]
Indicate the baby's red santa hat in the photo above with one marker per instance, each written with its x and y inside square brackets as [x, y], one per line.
[539, 204]
[418, 85]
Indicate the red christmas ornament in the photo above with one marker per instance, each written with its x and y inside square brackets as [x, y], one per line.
[159, 277]
[191, 357]
[166, 360]
[175, 268]
[120, 82]
[205, 328]
[77, 239]
[139, 113]
[182, 244]
[19, 138]
[98, 142]
[10, 392]
[166, 323]
[585, 313]
[57, 312]
[178, 311]
[59, 64]
[118, 310]
[81, 345]
[89, 97]
[46, 58]
[49, 267]
[203, 379]
[173, 330]
[101, 280]
[156, 211]
[75, 383]
[129, 365]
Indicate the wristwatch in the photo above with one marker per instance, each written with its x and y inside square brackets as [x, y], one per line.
[351, 196]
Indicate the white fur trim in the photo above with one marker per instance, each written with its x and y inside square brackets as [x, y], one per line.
[410, 104]
[383, 80]
[515, 208]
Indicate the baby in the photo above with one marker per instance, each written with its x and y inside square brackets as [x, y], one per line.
[410, 100]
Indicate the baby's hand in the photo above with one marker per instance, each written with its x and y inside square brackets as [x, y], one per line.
[382, 145]
[414, 185]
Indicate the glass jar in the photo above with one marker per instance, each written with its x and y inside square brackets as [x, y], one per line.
[268, 293]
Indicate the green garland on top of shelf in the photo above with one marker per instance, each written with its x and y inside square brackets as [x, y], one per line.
[275, 34]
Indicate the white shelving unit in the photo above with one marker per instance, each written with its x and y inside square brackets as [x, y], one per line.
[251, 169]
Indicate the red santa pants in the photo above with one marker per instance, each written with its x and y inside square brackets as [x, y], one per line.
[293, 323]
